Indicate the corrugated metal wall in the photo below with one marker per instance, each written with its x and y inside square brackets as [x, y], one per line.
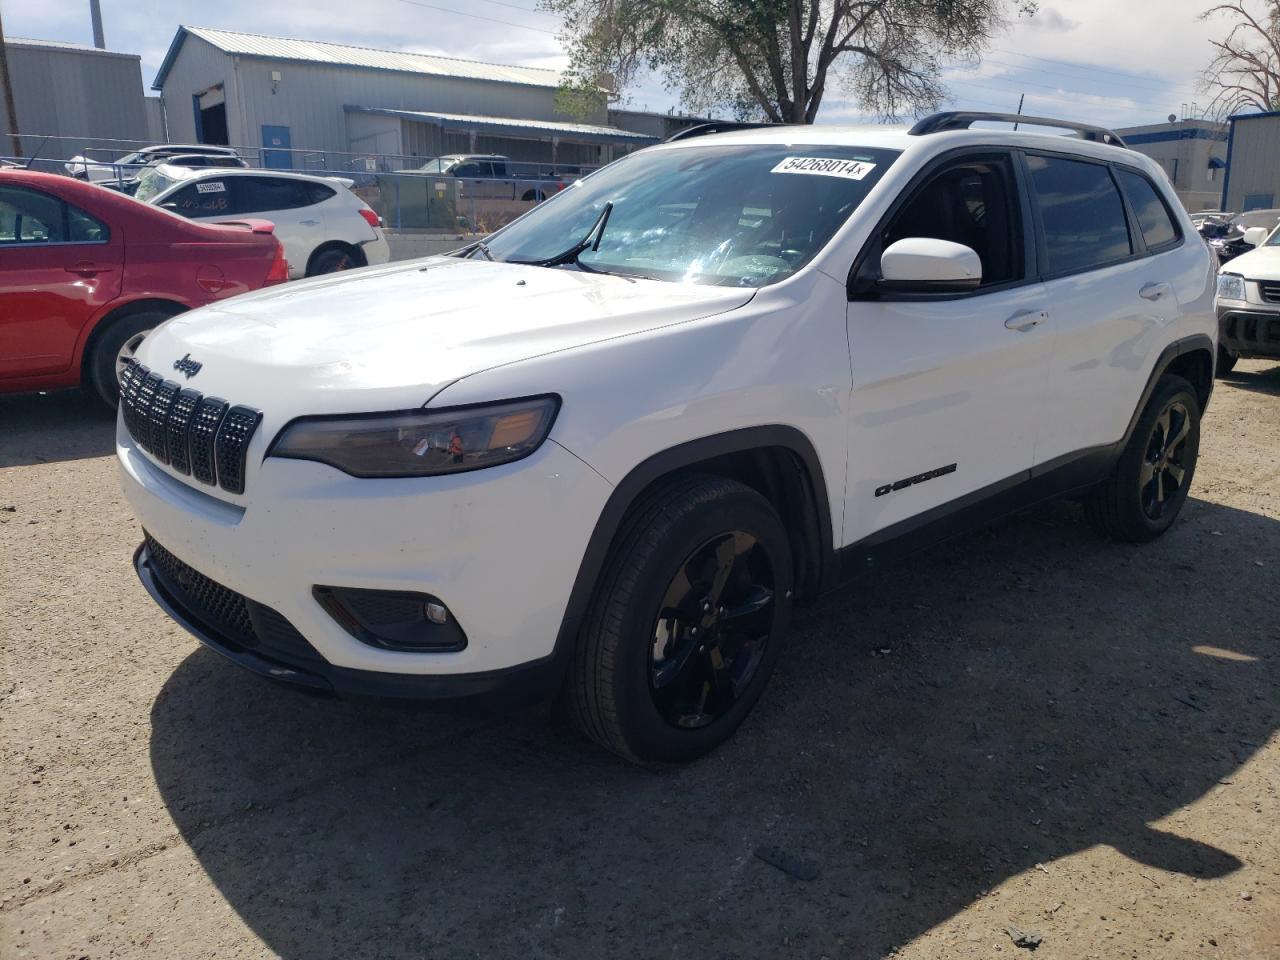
[89, 95]
[1254, 172]
[309, 99]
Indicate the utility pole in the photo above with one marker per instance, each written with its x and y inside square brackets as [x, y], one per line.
[95, 14]
[10, 107]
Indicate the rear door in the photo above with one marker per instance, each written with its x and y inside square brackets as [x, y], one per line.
[59, 266]
[946, 387]
[1110, 295]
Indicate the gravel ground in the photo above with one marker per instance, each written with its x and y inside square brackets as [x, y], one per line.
[1028, 727]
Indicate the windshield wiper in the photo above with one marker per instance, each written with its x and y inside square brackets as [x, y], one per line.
[571, 255]
[470, 248]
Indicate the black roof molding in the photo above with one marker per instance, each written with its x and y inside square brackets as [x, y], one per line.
[963, 119]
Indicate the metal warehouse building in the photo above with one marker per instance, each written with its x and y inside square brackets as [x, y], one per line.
[309, 103]
[1192, 152]
[1253, 170]
[68, 90]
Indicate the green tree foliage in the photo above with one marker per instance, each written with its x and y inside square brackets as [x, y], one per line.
[775, 59]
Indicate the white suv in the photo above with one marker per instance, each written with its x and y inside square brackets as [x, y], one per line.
[603, 453]
[323, 226]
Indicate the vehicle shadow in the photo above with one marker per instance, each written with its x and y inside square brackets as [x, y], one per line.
[1000, 702]
[53, 427]
[1264, 380]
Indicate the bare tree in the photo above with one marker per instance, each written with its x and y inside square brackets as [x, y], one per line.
[1244, 73]
[775, 59]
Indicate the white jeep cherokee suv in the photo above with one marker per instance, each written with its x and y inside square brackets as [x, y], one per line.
[604, 452]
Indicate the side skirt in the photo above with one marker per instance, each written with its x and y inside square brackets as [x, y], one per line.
[1065, 476]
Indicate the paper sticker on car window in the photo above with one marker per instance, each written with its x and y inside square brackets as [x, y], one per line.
[214, 187]
[825, 167]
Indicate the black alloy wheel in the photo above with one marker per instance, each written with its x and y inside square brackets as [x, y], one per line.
[712, 630]
[1164, 472]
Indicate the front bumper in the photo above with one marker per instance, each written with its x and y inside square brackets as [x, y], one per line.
[500, 547]
[1246, 331]
[294, 662]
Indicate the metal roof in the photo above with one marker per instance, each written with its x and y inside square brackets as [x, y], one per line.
[346, 55]
[581, 132]
[66, 45]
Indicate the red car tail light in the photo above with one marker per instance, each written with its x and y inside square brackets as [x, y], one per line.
[279, 271]
[370, 217]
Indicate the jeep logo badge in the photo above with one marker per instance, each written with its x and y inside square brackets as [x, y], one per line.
[188, 366]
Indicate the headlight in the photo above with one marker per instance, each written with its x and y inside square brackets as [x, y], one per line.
[1230, 286]
[421, 443]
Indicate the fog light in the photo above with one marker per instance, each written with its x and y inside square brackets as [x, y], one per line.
[393, 619]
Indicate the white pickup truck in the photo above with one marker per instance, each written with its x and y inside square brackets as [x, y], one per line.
[491, 177]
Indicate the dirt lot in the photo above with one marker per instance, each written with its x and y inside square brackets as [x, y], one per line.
[1026, 727]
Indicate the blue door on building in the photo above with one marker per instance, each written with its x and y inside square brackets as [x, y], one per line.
[275, 148]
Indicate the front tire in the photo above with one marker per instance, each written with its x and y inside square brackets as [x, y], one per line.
[114, 348]
[687, 623]
[1151, 480]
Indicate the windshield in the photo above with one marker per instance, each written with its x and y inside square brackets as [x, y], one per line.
[151, 184]
[737, 215]
[438, 165]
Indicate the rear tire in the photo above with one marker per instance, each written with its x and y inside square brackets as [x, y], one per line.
[334, 260]
[687, 622]
[1151, 480]
[1226, 362]
[113, 347]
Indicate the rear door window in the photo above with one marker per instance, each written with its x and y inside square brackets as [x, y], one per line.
[1154, 219]
[34, 217]
[260, 194]
[1081, 214]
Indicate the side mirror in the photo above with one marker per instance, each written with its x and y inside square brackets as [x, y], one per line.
[927, 265]
[1256, 236]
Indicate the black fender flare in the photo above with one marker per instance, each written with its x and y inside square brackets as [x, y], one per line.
[668, 461]
[1198, 341]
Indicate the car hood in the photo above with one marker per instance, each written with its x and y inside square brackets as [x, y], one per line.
[1260, 263]
[390, 337]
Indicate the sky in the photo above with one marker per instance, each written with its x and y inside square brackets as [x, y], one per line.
[1108, 62]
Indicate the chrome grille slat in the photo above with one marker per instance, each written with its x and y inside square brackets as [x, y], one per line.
[204, 437]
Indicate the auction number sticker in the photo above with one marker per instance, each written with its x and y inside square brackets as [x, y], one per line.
[825, 167]
[215, 187]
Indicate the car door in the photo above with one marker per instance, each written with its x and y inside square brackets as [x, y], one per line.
[945, 387]
[287, 203]
[1109, 300]
[59, 266]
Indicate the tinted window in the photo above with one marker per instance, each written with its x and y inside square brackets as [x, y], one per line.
[30, 216]
[1153, 216]
[317, 192]
[973, 203]
[466, 170]
[205, 198]
[258, 194]
[1083, 217]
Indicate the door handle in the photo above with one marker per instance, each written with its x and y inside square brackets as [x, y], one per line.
[1026, 319]
[1155, 291]
[310, 223]
[86, 269]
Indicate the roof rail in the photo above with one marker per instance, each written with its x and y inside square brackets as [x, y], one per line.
[963, 119]
[716, 126]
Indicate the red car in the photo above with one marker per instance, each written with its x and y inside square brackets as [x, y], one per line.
[86, 272]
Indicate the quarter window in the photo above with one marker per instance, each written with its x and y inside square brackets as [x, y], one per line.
[971, 202]
[1153, 216]
[204, 198]
[1082, 214]
[31, 216]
